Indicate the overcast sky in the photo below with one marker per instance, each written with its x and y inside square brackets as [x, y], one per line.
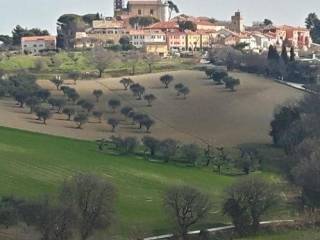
[43, 13]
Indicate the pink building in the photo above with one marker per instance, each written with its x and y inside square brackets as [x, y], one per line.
[176, 40]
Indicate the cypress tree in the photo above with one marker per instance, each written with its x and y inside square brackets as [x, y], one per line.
[292, 55]
[284, 54]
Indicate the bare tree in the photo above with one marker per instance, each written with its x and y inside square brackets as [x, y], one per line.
[93, 198]
[151, 59]
[132, 58]
[101, 59]
[187, 206]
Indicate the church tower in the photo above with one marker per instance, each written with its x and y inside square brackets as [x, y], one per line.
[118, 7]
[237, 23]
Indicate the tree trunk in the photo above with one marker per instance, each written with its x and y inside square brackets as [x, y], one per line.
[150, 68]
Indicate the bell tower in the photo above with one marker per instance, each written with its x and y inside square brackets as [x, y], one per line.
[118, 7]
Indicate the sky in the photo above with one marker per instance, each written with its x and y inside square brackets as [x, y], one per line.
[43, 13]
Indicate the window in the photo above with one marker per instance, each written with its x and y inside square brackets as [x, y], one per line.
[151, 12]
[139, 12]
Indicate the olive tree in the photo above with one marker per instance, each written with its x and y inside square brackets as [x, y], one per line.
[113, 123]
[137, 90]
[81, 119]
[184, 91]
[166, 80]
[74, 75]
[187, 206]
[152, 144]
[98, 94]
[231, 83]
[98, 115]
[43, 114]
[150, 98]
[126, 82]
[114, 104]
[69, 111]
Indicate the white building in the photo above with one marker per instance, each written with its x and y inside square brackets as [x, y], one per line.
[139, 38]
[37, 44]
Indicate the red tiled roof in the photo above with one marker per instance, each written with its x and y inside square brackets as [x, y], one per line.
[164, 25]
[39, 38]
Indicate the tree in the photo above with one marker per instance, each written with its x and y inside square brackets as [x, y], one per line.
[152, 144]
[166, 80]
[73, 95]
[283, 118]
[172, 8]
[126, 110]
[267, 22]
[81, 119]
[88, 106]
[132, 58]
[57, 81]
[21, 96]
[98, 94]
[306, 174]
[18, 32]
[220, 159]
[178, 88]
[43, 94]
[69, 111]
[247, 201]
[150, 98]
[249, 160]
[98, 115]
[137, 90]
[231, 83]
[142, 21]
[168, 149]
[58, 103]
[190, 153]
[218, 75]
[150, 59]
[284, 54]
[184, 91]
[113, 123]
[187, 206]
[292, 54]
[147, 123]
[313, 23]
[32, 102]
[187, 25]
[114, 104]
[93, 199]
[40, 65]
[43, 114]
[273, 54]
[126, 82]
[101, 59]
[75, 76]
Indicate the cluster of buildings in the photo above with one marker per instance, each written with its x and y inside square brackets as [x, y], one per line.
[167, 36]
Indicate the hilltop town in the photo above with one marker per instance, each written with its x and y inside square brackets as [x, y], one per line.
[159, 28]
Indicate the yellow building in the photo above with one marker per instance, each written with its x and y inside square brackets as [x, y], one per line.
[160, 49]
[197, 40]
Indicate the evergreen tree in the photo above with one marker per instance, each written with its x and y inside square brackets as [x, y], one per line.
[284, 54]
[292, 55]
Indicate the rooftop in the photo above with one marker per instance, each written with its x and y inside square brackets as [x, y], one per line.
[39, 38]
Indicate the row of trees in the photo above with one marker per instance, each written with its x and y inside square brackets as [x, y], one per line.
[273, 64]
[245, 161]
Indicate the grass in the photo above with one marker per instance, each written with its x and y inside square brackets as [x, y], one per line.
[66, 64]
[311, 234]
[33, 164]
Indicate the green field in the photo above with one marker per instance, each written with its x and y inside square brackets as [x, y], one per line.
[67, 64]
[33, 164]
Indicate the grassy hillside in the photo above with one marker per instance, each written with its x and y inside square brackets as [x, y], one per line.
[32, 164]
